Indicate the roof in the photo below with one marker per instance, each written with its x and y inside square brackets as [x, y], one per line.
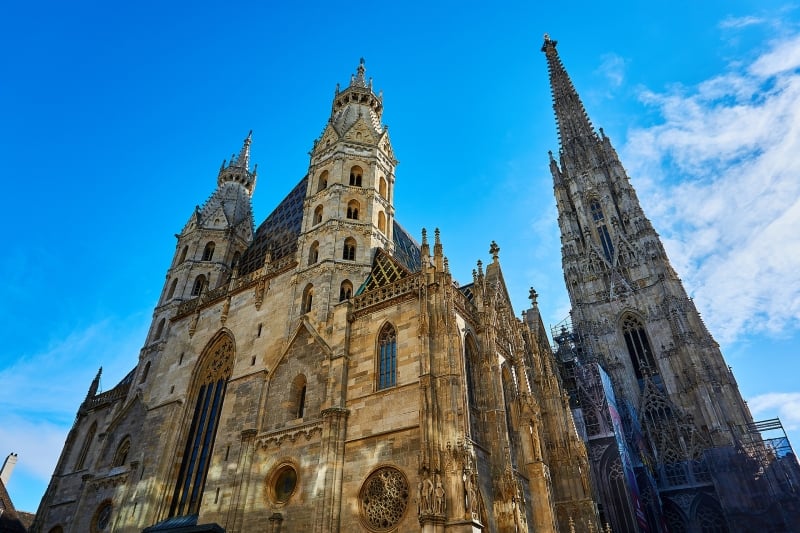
[11, 520]
[279, 232]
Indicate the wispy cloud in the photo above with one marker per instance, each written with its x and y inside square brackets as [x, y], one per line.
[612, 67]
[722, 188]
[740, 22]
[41, 392]
[787, 405]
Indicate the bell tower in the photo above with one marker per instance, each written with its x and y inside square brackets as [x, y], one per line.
[628, 305]
[348, 207]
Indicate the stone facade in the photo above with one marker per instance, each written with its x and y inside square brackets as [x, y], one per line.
[325, 372]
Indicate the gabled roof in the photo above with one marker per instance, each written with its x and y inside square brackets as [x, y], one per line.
[11, 520]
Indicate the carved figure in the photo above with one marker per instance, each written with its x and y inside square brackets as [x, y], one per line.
[439, 496]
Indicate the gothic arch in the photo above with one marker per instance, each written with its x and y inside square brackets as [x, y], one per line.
[206, 397]
[637, 341]
[474, 385]
[322, 181]
[386, 350]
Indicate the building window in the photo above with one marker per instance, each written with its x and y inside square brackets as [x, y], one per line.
[208, 251]
[345, 291]
[183, 254]
[472, 369]
[235, 261]
[352, 210]
[382, 188]
[383, 499]
[145, 372]
[602, 229]
[318, 215]
[282, 483]
[101, 521]
[159, 329]
[387, 357]
[308, 297]
[638, 345]
[313, 253]
[356, 175]
[87, 443]
[211, 378]
[349, 250]
[172, 288]
[382, 222]
[597, 211]
[322, 181]
[199, 284]
[298, 400]
[121, 455]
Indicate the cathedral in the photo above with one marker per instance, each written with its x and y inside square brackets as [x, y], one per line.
[325, 372]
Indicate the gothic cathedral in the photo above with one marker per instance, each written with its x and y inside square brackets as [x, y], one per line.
[324, 371]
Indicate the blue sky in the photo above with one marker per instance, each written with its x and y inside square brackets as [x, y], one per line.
[115, 118]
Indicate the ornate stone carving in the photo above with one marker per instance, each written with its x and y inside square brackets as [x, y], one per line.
[383, 499]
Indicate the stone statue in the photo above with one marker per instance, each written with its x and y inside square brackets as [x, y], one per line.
[438, 496]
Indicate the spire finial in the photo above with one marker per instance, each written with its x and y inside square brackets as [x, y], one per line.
[533, 295]
[243, 160]
[494, 250]
[359, 80]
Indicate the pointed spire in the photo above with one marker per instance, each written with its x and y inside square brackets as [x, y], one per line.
[358, 80]
[238, 169]
[243, 160]
[95, 384]
[573, 122]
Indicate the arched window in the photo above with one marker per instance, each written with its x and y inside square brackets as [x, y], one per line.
[602, 230]
[298, 400]
[382, 222]
[159, 329]
[322, 181]
[382, 187]
[318, 215]
[172, 288]
[313, 253]
[638, 345]
[472, 369]
[199, 284]
[101, 521]
[387, 357]
[352, 210]
[121, 455]
[349, 250]
[208, 392]
[208, 251]
[87, 442]
[145, 372]
[235, 261]
[308, 297]
[345, 291]
[356, 175]
[183, 254]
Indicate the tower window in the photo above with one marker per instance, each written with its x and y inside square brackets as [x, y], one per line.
[313, 253]
[235, 261]
[172, 287]
[349, 250]
[183, 254]
[382, 188]
[318, 215]
[352, 210]
[87, 442]
[605, 241]
[199, 284]
[145, 372]
[308, 297]
[299, 396]
[597, 211]
[345, 291]
[382, 222]
[322, 182]
[208, 251]
[638, 345]
[387, 357]
[356, 175]
[159, 329]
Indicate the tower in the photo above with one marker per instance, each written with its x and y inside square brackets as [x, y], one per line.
[659, 407]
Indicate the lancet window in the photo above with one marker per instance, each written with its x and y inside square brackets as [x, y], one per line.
[349, 250]
[352, 210]
[602, 230]
[121, 455]
[318, 215]
[210, 382]
[387, 357]
[322, 182]
[208, 251]
[313, 253]
[345, 291]
[308, 298]
[356, 176]
[638, 346]
[87, 443]
[199, 283]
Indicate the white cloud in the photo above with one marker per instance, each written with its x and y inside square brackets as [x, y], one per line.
[740, 22]
[725, 161]
[612, 68]
[785, 405]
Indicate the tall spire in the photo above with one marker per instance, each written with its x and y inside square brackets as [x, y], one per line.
[243, 159]
[573, 122]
